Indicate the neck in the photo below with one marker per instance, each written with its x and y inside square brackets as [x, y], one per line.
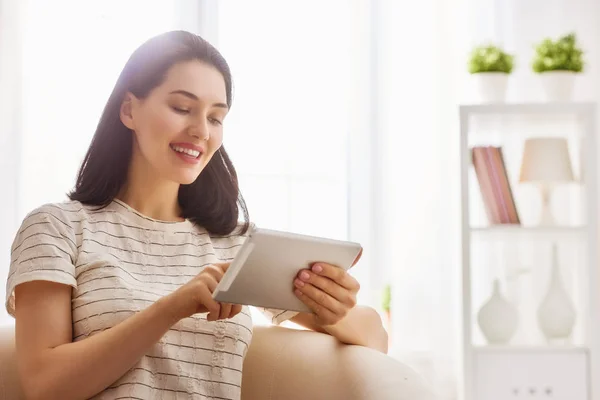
[149, 195]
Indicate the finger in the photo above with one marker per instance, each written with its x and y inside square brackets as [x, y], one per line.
[321, 298]
[225, 310]
[222, 266]
[235, 310]
[336, 274]
[325, 316]
[210, 281]
[330, 287]
[211, 305]
[213, 271]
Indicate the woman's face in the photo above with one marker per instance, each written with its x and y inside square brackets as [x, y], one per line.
[178, 126]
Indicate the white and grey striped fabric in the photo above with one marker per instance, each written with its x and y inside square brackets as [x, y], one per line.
[118, 262]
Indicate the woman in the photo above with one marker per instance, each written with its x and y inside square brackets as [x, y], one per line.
[111, 291]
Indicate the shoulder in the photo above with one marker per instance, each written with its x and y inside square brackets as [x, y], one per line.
[53, 209]
[57, 210]
[66, 215]
[46, 228]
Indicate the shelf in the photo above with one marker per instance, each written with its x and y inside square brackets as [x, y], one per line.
[530, 349]
[519, 232]
[502, 251]
[528, 108]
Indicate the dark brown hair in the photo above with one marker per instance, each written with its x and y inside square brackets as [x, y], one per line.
[214, 200]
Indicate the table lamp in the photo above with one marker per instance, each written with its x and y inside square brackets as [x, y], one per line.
[546, 162]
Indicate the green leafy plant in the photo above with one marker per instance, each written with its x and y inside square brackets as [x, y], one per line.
[386, 298]
[490, 58]
[560, 55]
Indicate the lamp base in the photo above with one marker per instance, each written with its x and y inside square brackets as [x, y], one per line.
[546, 217]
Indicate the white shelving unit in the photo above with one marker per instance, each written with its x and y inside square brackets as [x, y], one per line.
[529, 367]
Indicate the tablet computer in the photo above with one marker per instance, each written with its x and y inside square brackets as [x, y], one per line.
[263, 272]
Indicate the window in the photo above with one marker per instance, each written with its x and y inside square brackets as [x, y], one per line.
[288, 129]
[70, 67]
[297, 73]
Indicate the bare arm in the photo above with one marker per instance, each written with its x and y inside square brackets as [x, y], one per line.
[361, 326]
[52, 367]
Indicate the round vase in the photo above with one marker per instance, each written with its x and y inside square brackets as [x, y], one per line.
[498, 319]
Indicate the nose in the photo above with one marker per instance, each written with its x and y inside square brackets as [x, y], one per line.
[200, 131]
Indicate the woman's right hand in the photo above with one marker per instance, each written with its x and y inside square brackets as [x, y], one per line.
[196, 296]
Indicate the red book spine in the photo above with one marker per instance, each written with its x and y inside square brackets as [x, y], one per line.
[485, 185]
[495, 178]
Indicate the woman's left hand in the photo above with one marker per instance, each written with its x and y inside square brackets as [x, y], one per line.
[329, 291]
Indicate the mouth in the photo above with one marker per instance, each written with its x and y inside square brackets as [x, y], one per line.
[192, 154]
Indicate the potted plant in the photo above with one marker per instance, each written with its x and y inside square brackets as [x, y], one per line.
[490, 67]
[558, 62]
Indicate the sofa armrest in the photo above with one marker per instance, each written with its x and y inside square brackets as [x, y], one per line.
[295, 364]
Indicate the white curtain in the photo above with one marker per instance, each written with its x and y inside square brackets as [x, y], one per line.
[59, 62]
[73, 52]
[299, 77]
[421, 67]
[10, 144]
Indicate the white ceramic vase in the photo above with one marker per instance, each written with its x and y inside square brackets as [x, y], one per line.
[556, 313]
[558, 85]
[498, 318]
[491, 86]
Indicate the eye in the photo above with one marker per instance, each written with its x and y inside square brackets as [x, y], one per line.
[215, 121]
[180, 110]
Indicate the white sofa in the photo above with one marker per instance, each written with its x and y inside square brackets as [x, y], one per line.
[289, 364]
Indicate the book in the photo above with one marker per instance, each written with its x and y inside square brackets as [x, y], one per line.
[490, 169]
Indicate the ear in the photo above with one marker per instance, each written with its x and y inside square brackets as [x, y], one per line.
[126, 110]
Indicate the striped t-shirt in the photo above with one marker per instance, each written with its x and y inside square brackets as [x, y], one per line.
[118, 262]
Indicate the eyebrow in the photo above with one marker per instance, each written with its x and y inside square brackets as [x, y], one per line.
[194, 97]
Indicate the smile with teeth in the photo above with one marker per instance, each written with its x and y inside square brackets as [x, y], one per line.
[188, 152]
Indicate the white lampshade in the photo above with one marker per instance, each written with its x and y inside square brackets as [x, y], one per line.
[546, 160]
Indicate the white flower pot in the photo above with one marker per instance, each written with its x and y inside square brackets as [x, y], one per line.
[558, 85]
[491, 86]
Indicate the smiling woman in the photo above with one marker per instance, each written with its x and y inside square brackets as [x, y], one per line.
[112, 290]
